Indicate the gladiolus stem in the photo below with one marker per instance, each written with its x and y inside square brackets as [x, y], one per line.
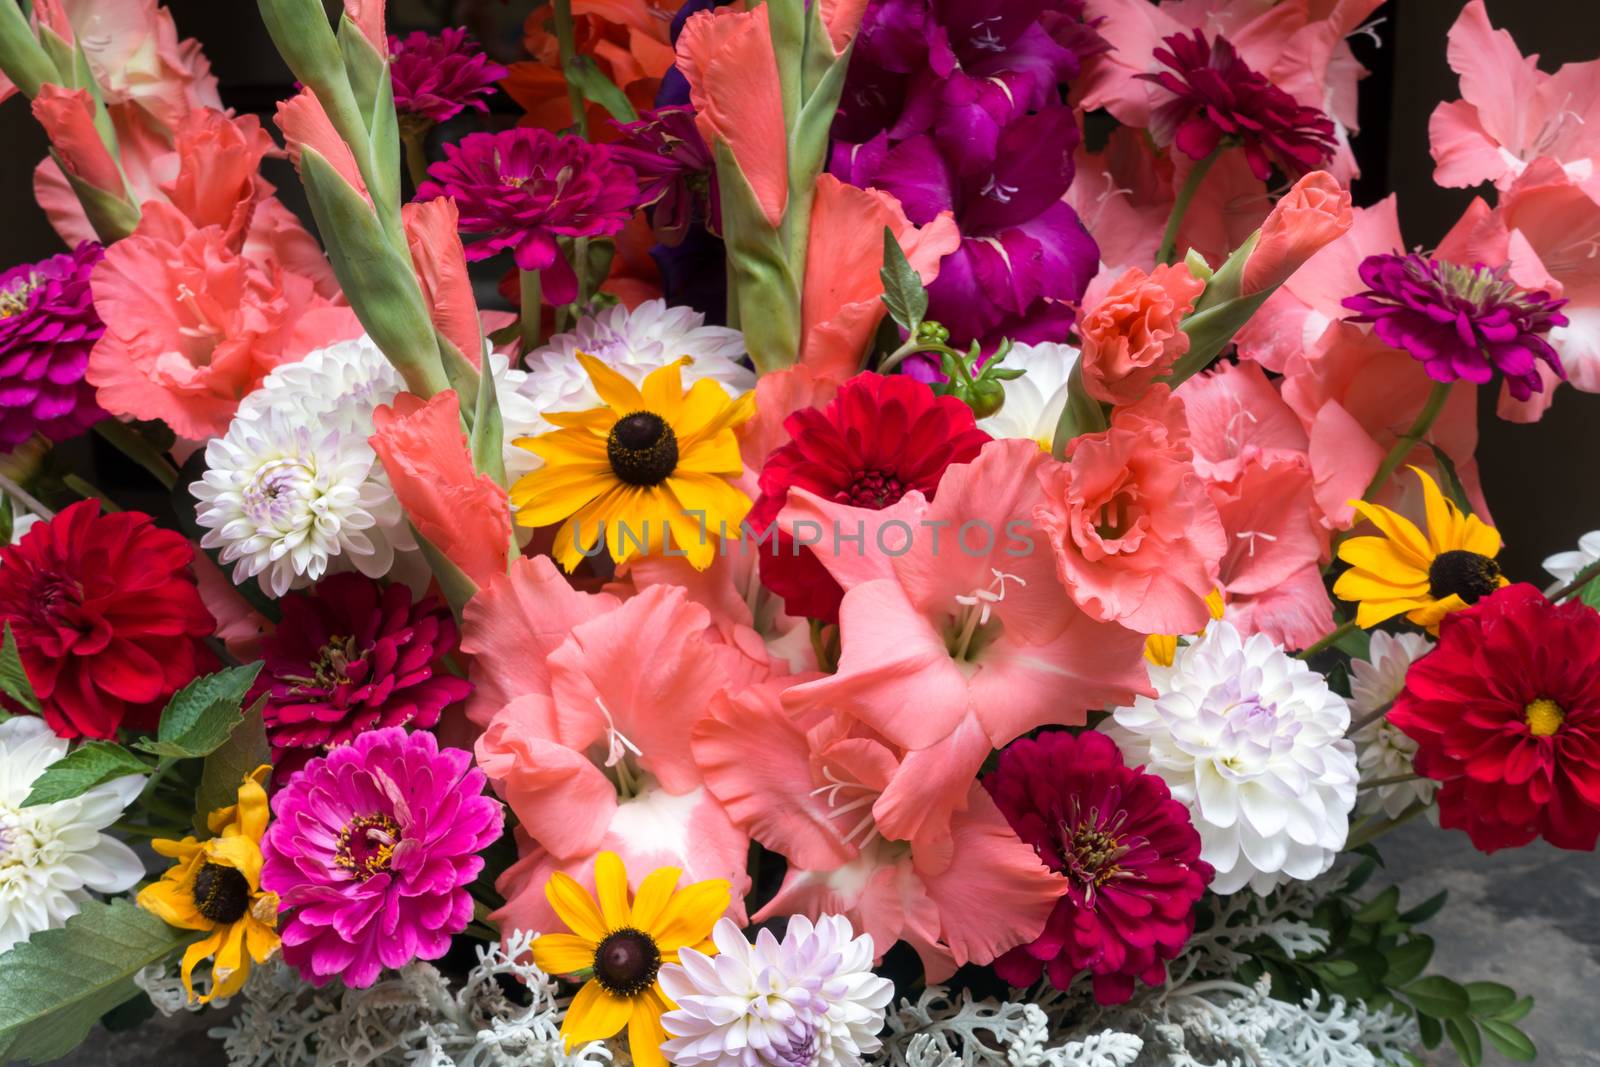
[1370, 831]
[1345, 629]
[415, 142]
[1370, 718]
[1379, 783]
[1409, 439]
[532, 310]
[1581, 579]
[1180, 206]
[127, 441]
[565, 42]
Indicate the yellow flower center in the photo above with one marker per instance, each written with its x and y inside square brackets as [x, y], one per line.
[1544, 717]
[221, 893]
[1467, 575]
[642, 449]
[626, 962]
[366, 845]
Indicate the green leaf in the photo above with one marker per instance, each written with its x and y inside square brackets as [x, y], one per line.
[765, 292]
[1490, 998]
[1438, 996]
[57, 983]
[1382, 907]
[6, 519]
[1590, 594]
[903, 293]
[454, 583]
[582, 72]
[202, 714]
[14, 677]
[1426, 910]
[1431, 1029]
[1409, 960]
[1516, 1012]
[1452, 480]
[90, 764]
[488, 430]
[245, 749]
[1507, 1040]
[1463, 1034]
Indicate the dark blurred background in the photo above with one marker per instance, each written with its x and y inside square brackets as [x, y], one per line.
[1526, 469]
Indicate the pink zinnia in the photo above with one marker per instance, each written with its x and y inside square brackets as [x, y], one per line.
[371, 850]
[437, 76]
[1130, 854]
[47, 327]
[352, 656]
[525, 187]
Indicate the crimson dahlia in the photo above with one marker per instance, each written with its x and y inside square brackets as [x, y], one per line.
[877, 440]
[1129, 852]
[106, 617]
[1506, 713]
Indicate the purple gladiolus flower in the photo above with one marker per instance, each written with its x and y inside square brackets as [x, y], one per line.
[47, 327]
[677, 174]
[437, 76]
[1461, 322]
[371, 850]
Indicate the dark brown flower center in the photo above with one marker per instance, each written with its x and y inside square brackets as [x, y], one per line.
[1464, 574]
[366, 845]
[626, 962]
[221, 893]
[642, 449]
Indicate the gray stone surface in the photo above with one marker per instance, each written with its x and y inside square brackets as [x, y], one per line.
[1528, 918]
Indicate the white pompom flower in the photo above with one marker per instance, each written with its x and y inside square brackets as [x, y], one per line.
[52, 855]
[1252, 740]
[1034, 402]
[1382, 750]
[810, 1000]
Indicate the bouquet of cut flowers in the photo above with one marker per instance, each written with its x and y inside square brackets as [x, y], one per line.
[866, 531]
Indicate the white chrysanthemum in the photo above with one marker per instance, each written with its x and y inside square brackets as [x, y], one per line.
[1382, 750]
[1252, 740]
[333, 388]
[288, 502]
[1564, 566]
[51, 855]
[634, 343]
[1034, 402]
[810, 1000]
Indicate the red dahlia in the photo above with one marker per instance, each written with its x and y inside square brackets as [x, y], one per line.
[1506, 713]
[352, 656]
[877, 440]
[106, 618]
[1130, 854]
[1216, 97]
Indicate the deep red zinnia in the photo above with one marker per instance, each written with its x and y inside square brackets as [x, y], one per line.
[1217, 97]
[1506, 713]
[1129, 852]
[106, 618]
[877, 440]
[352, 656]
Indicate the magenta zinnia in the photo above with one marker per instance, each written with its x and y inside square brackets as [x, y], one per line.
[1460, 322]
[47, 327]
[352, 656]
[1129, 852]
[371, 850]
[525, 187]
[1217, 99]
[436, 76]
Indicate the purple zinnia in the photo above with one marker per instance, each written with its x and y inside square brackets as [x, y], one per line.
[1217, 97]
[525, 187]
[1130, 854]
[351, 656]
[1461, 322]
[47, 327]
[676, 172]
[436, 76]
[371, 850]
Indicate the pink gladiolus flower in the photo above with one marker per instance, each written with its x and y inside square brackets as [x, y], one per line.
[1308, 217]
[1136, 538]
[67, 116]
[1132, 337]
[305, 124]
[441, 266]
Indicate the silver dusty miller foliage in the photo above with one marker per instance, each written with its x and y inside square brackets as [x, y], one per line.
[1201, 1018]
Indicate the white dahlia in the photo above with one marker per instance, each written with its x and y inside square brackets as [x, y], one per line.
[1382, 750]
[810, 1000]
[51, 855]
[634, 343]
[1034, 402]
[1252, 740]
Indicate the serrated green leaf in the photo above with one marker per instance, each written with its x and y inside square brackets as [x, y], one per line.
[1490, 998]
[90, 764]
[1409, 960]
[245, 749]
[57, 983]
[903, 293]
[202, 714]
[1464, 1037]
[1426, 910]
[1438, 996]
[1510, 1042]
[13, 676]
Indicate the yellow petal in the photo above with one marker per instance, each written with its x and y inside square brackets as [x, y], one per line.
[1397, 528]
[594, 1015]
[239, 852]
[618, 393]
[1382, 561]
[261, 940]
[690, 914]
[172, 901]
[717, 454]
[596, 421]
[551, 494]
[563, 953]
[663, 392]
[570, 446]
[611, 886]
[645, 1032]
[1160, 649]
[575, 907]
[1370, 613]
[1479, 537]
[655, 892]
[196, 954]
[707, 411]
